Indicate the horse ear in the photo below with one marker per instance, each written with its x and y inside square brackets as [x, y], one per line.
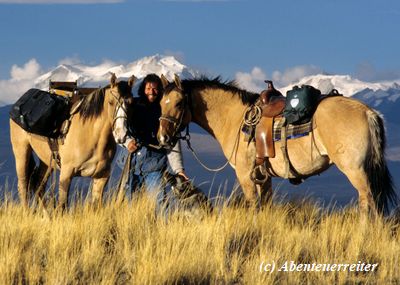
[113, 80]
[164, 81]
[178, 81]
[131, 81]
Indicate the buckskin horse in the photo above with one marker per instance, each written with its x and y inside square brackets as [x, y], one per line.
[347, 133]
[87, 150]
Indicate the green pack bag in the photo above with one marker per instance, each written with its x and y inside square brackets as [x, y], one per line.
[301, 103]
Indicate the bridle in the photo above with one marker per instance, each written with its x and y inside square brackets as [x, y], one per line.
[177, 122]
[120, 105]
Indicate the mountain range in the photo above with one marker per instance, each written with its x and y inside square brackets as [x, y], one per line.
[331, 186]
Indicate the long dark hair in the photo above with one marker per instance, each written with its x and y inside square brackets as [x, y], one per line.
[153, 78]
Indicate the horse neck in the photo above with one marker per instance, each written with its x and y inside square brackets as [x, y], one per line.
[219, 112]
[100, 126]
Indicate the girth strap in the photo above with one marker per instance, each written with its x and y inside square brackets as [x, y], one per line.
[53, 144]
[289, 169]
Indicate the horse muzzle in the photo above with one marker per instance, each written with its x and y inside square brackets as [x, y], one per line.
[164, 140]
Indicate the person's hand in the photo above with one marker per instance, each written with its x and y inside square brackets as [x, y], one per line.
[132, 146]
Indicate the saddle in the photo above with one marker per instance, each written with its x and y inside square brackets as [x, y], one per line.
[272, 104]
[75, 94]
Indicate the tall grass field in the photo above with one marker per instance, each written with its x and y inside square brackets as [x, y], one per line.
[131, 244]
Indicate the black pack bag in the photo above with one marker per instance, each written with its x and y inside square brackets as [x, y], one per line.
[301, 103]
[40, 112]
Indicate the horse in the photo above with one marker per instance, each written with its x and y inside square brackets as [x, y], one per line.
[347, 133]
[87, 149]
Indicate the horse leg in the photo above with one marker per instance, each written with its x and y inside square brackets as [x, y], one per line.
[43, 176]
[359, 180]
[262, 182]
[97, 190]
[253, 193]
[248, 187]
[63, 189]
[24, 169]
[264, 191]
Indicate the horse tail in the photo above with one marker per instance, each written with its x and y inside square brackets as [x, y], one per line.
[379, 177]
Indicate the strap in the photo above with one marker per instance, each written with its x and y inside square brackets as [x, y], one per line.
[55, 157]
[124, 179]
[284, 147]
[289, 169]
[53, 144]
[75, 107]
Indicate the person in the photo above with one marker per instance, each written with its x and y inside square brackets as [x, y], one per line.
[149, 162]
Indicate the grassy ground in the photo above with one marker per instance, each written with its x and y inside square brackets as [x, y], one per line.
[129, 244]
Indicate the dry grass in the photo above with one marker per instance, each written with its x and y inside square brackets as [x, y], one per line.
[129, 244]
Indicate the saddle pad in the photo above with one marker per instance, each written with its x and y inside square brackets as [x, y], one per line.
[293, 131]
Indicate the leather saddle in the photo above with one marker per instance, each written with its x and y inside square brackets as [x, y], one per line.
[272, 104]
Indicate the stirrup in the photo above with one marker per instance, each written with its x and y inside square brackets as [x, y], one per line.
[259, 174]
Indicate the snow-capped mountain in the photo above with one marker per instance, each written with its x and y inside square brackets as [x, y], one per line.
[382, 96]
[346, 85]
[100, 74]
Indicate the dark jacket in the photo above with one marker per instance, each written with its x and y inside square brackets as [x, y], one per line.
[145, 121]
[144, 125]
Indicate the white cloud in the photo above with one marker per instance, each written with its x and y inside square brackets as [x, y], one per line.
[254, 81]
[60, 1]
[70, 60]
[367, 72]
[31, 75]
[294, 74]
[178, 55]
[22, 78]
[30, 70]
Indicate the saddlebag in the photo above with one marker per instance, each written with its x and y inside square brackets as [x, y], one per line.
[40, 112]
[301, 103]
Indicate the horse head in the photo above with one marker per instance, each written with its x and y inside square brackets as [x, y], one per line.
[175, 111]
[118, 96]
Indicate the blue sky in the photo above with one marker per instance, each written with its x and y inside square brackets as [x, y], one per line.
[360, 38]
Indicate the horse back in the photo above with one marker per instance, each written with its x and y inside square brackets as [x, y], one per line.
[339, 135]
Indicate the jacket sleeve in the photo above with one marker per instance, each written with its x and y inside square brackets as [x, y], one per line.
[127, 141]
[175, 158]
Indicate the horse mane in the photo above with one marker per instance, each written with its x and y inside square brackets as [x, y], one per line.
[93, 104]
[203, 82]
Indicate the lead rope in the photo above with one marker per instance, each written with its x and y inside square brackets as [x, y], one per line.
[235, 146]
[123, 179]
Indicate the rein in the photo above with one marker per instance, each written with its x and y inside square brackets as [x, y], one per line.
[177, 124]
[189, 146]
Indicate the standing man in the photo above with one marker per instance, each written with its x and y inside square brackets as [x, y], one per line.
[149, 163]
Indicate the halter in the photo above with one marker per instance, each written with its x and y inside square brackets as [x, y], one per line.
[177, 122]
[120, 105]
